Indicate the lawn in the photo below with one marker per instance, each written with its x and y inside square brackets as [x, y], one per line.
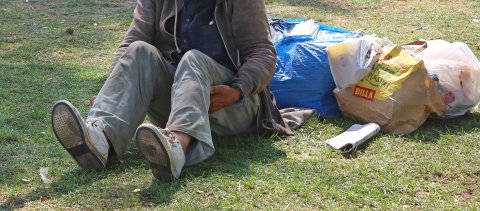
[62, 49]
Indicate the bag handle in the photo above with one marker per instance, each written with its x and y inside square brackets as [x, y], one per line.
[416, 46]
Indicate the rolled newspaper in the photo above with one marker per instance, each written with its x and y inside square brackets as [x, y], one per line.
[353, 137]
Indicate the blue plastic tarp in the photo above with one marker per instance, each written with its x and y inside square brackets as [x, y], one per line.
[302, 77]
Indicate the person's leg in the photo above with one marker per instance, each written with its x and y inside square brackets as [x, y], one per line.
[159, 113]
[236, 119]
[141, 75]
[195, 74]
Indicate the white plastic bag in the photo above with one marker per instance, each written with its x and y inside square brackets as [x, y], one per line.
[458, 73]
[351, 60]
[305, 28]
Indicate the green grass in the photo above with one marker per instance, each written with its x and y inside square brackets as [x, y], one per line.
[437, 167]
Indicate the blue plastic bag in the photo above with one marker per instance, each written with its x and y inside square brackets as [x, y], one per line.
[302, 77]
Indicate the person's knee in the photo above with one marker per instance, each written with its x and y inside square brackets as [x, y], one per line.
[141, 48]
[137, 57]
[194, 60]
[193, 54]
[194, 57]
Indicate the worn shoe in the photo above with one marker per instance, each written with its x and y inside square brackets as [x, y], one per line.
[85, 141]
[162, 150]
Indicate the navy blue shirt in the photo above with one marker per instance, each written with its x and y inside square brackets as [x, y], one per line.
[197, 29]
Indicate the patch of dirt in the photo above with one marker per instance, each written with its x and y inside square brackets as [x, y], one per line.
[447, 178]
[422, 193]
[122, 4]
[468, 181]
[302, 155]
[30, 5]
[465, 195]
[281, 9]
[107, 8]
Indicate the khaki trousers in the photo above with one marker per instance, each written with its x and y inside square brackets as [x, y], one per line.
[144, 82]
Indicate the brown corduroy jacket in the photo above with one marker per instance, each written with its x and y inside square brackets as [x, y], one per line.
[244, 28]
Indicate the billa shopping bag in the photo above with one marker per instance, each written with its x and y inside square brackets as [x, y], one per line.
[351, 60]
[397, 94]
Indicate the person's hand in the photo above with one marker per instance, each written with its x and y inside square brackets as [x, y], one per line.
[92, 100]
[222, 96]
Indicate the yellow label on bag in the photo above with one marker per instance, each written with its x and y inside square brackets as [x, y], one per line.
[387, 75]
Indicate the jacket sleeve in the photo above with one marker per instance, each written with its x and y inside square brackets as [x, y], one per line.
[251, 32]
[141, 29]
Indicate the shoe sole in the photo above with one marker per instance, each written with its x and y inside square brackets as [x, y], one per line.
[67, 127]
[152, 147]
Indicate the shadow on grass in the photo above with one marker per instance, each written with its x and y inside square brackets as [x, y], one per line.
[69, 182]
[72, 181]
[433, 129]
[430, 132]
[28, 92]
[34, 83]
[232, 159]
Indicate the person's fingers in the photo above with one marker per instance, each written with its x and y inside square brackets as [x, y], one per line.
[213, 102]
[214, 90]
[219, 90]
[212, 109]
[92, 100]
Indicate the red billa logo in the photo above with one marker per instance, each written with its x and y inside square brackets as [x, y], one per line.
[365, 93]
[387, 57]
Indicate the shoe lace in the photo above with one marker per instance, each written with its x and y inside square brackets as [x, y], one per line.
[171, 137]
[95, 122]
